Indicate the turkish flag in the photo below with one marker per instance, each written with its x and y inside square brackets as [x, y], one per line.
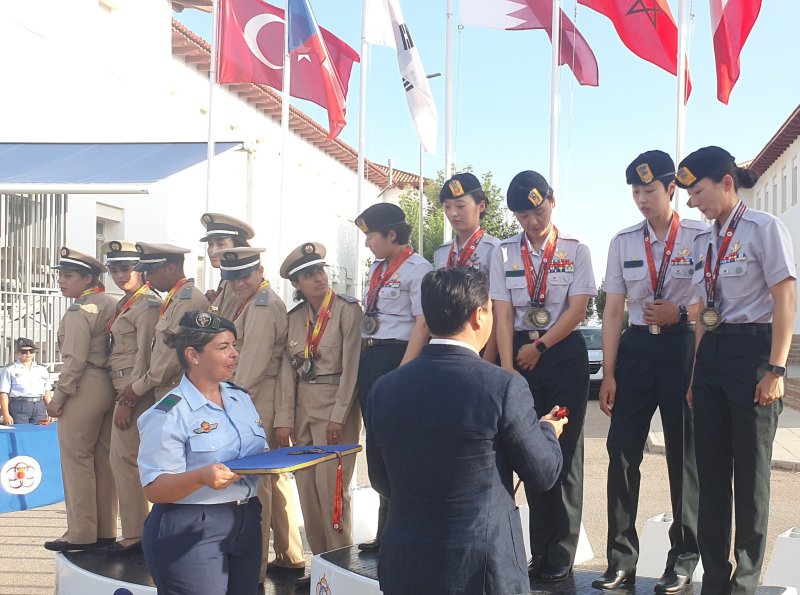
[647, 28]
[731, 21]
[250, 50]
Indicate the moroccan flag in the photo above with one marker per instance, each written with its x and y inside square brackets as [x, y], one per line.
[250, 50]
[647, 28]
[516, 15]
[731, 22]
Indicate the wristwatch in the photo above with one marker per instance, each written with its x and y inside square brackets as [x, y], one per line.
[540, 347]
[684, 315]
[779, 371]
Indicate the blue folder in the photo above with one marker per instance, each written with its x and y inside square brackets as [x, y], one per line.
[284, 460]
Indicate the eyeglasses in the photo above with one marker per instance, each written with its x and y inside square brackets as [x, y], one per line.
[26, 351]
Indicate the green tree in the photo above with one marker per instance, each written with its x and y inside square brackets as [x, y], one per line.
[600, 300]
[498, 221]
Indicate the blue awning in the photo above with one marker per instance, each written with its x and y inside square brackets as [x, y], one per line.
[106, 165]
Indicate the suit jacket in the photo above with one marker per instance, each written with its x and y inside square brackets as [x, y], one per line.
[444, 433]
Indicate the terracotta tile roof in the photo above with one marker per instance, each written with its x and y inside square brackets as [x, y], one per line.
[195, 51]
[785, 136]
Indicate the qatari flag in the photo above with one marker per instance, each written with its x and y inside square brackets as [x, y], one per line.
[731, 22]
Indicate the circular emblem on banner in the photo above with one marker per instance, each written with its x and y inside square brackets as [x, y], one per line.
[203, 319]
[116, 246]
[21, 475]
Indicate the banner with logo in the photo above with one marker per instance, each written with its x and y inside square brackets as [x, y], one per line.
[30, 467]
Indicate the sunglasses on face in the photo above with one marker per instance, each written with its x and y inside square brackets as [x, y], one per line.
[26, 351]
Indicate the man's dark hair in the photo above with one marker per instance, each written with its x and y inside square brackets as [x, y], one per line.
[449, 296]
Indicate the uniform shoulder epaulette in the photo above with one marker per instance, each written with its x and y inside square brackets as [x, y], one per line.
[446, 244]
[262, 298]
[348, 298]
[693, 224]
[563, 235]
[511, 239]
[168, 402]
[758, 217]
[297, 307]
[237, 387]
[75, 306]
[491, 240]
[153, 300]
[186, 293]
[631, 229]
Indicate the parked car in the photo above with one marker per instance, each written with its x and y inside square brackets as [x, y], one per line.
[594, 344]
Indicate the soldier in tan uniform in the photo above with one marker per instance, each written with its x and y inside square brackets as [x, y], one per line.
[224, 232]
[324, 346]
[84, 402]
[261, 330]
[131, 333]
[163, 264]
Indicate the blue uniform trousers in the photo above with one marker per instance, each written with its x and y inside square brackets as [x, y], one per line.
[214, 549]
[25, 411]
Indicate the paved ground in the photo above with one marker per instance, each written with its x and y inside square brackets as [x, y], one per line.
[27, 569]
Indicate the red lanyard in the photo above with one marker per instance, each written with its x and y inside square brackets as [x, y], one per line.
[711, 278]
[128, 305]
[658, 281]
[315, 332]
[91, 290]
[243, 305]
[467, 252]
[377, 281]
[171, 294]
[537, 285]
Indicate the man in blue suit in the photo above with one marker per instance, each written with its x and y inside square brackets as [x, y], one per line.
[444, 434]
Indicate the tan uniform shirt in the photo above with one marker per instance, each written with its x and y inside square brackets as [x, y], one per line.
[82, 340]
[226, 304]
[339, 348]
[132, 339]
[261, 341]
[165, 370]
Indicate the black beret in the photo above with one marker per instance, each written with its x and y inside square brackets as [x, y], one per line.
[25, 343]
[206, 322]
[380, 217]
[703, 162]
[460, 185]
[527, 191]
[649, 166]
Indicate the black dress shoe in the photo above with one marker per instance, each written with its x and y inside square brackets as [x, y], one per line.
[303, 581]
[273, 568]
[117, 549]
[59, 545]
[535, 565]
[670, 582]
[104, 541]
[553, 574]
[373, 545]
[614, 579]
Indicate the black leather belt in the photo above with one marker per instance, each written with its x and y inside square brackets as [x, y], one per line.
[750, 329]
[666, 329]
[370, 342]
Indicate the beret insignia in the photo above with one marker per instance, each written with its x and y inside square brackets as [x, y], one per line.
[645, 174]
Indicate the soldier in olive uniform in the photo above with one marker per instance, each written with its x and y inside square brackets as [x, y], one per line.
[323, 347]
[261, 330]
[222, 233]
[163, 264]
[131, 330]
[84, 404]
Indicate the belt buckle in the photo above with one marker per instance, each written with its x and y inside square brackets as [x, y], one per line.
[242, 502]
[368, 341]
[533, 335]
[654, 329]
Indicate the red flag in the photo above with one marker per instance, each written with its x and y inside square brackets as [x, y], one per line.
[647, 28]
[250, 50]
[731, 21]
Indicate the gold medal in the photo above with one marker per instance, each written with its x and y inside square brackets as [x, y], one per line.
[710, 318]
[537, 317]
[369, 324]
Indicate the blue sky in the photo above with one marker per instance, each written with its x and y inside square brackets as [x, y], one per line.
[502, 103]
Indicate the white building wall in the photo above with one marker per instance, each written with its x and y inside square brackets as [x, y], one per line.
[98, 74]
[777, 192]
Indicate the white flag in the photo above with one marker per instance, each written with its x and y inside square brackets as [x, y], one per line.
[418, 91]
[377, 25]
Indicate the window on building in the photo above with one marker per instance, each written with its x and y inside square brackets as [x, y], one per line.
[766, 198]
[775, 196]
[784, 191]
[794, 182]
[758, 201]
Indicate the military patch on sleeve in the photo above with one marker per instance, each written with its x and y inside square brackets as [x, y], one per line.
[262, 299]
[186, 293]
[168, 403]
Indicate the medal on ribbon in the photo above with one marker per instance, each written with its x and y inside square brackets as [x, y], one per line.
[657, 280]
[466, 252]
[537, 315]
[369, 324]
[314, 335]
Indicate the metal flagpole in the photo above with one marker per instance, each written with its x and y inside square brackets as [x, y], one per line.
[212, 85]
[555, 94]
[448, 108]
[362, 128]
[285, 101]
[681, 109]
[420, 223]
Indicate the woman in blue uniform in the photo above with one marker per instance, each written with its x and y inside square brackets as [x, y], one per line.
[746, 276]
[203, 533]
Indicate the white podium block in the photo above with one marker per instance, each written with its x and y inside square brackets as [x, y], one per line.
[784, 566]
[583, 553]
[330, 578]
[364, 501]
[654, 547]
[71, 579]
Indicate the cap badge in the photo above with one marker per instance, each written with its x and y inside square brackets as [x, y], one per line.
[229, 256]
[456, 189]
[115, 246]
[64, 252]
[535, 197]
[207, 218]
[362, 225]
[203, 319]
[685, 176]
[645, 173]
[308, 248]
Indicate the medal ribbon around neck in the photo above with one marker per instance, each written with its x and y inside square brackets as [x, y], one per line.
[377, 281]
[315, 332]
[537, 280]
[711, 278]
[91, 291]
[178, 286]
[658, 281]
[128, 305]
[243, 305]
[467, 252]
